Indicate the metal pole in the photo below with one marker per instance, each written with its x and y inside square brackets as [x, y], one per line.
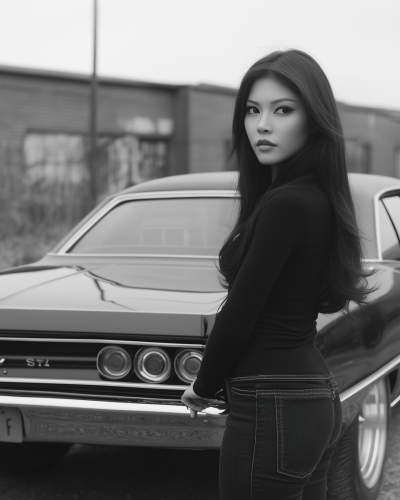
[93, 113]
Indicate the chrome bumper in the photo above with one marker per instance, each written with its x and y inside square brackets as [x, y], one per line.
[115, 423]
[140, 424]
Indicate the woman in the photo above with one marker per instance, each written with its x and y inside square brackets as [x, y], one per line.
[295, 251]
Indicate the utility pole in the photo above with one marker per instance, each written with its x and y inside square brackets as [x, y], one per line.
[93, 114]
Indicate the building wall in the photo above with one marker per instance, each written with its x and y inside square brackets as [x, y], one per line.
[179, 158]
[34, 104]
[379, 132]
[372, 136]
[30, 103]
[194, 120]
[210, 119]
[56, 104]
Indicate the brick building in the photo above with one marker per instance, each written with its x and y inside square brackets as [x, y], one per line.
[145, 130]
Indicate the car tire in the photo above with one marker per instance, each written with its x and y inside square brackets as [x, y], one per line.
[356, 470]
[29, 458]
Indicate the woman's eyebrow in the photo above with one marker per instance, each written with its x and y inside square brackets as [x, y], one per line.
[274, 102]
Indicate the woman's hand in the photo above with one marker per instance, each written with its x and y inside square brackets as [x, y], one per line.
[191, 400]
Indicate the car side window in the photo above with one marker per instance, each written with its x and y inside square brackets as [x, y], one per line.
[392, 205]
[388, 236]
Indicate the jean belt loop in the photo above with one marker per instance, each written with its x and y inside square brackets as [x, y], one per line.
[332, 387]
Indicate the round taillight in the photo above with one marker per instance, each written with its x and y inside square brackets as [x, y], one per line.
[152, 364]
[187, 364]
[114, 362]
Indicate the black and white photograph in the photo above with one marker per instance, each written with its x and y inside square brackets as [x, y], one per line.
[199, 250]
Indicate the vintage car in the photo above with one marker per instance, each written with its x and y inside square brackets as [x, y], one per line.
[99, 339]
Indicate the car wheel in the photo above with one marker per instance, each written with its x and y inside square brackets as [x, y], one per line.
[356, 470]
[28, 458]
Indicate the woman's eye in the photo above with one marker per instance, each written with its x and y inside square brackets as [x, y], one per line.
[251, 110]
[284, 110]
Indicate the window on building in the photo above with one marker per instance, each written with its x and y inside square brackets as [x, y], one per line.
[118, 158]
[127, 160]
[389, 239]
[57, 168]
[358, 156]
[57, 178]
[153, 160]
[55, 158]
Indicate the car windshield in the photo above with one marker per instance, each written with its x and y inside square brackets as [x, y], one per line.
[174, 226]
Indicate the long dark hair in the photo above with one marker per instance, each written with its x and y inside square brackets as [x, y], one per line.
[323, 157]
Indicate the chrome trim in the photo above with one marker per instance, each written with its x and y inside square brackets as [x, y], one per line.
[343, 396]
[103, 341]
[154, 195]
[381, 261]
[371, 379]
[395, 402]
[82, 395]
[137, 385]
[105, 405]
[118, 423]
[155, 255]
[84, 404]
[377, 198]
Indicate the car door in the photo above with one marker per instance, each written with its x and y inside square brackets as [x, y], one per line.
[361, 342]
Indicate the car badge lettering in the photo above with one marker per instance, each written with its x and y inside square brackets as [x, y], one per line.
[37, 362]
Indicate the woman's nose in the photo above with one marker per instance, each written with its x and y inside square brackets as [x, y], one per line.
[263, 126]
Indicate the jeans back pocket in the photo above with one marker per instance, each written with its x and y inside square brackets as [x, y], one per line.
[304, 425]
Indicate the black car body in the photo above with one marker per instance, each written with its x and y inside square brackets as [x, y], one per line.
[158, 289]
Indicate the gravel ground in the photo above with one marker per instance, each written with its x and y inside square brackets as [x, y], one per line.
[391, 475]
[118, 473]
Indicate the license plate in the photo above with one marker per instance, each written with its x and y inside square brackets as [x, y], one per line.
[10, 425]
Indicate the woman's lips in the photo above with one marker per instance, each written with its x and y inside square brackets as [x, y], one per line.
[265, 147]
[264, 142]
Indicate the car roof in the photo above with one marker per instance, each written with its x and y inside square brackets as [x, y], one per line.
[372, 184]
[367, 183]
[186, 182]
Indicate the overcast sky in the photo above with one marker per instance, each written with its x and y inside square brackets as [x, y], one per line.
[357, 42]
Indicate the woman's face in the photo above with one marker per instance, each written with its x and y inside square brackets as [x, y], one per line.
[276, 114]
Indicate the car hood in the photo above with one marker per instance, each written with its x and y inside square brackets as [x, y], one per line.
[113, 298]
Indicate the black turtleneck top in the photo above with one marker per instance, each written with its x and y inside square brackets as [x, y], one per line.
[268, 322]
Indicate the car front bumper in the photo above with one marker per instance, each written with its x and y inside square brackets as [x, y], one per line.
[116, 423]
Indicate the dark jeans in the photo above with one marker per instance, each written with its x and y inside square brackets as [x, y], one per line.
[280, 436]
